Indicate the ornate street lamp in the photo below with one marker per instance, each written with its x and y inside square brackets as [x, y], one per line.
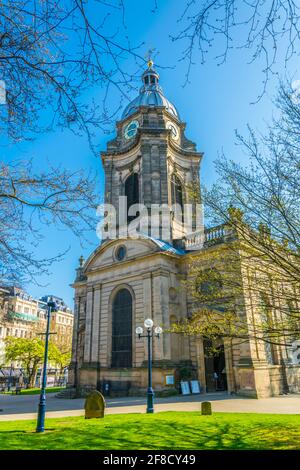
[51, 307]
[158, 331]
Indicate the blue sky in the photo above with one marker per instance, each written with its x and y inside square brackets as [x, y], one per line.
[215, 103]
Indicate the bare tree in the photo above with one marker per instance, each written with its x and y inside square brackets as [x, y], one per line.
[243, 279]
[265, 28]
[29, 200]
[260, 261]
[52, 53]
[267, 190]
[266, 193]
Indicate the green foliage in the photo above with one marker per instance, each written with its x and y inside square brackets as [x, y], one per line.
[193, 190]
[208, 285]
[186, 373]
[30, 353]
[235, 215]
[61, 358]
[165, 430]
[27, 350]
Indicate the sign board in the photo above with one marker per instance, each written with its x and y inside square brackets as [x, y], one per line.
[195, 386]
[169, 379]
[185, 388]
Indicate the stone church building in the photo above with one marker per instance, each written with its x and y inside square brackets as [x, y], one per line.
[126, 280]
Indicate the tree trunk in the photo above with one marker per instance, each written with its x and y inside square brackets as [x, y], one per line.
[32, 377]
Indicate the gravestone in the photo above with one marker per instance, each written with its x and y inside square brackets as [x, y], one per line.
[94, 405]
[206, 408]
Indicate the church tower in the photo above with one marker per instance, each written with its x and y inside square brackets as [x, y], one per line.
[151, 162]
[126, 280]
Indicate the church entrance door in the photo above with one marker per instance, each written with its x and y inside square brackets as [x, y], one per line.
[215, 366]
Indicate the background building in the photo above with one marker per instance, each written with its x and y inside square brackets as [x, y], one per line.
[22, 316]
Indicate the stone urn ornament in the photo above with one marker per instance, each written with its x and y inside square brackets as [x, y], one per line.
[94, 405]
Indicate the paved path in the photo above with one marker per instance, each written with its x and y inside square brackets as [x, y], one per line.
[24, 407]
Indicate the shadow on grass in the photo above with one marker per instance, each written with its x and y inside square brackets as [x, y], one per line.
[161, 431]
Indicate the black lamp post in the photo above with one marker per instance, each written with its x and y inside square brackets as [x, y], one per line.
[10, 378]
[139, 331]
[51, 307]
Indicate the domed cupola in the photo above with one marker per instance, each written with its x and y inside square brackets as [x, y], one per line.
[151, 94]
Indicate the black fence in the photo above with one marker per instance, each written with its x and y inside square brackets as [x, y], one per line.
[15, 378]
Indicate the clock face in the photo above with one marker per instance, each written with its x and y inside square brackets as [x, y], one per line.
[131, 129]
[174, 130]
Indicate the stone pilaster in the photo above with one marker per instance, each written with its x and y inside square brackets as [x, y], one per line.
[88, 324]
[105, 327]
[96, 324]
[162, 346]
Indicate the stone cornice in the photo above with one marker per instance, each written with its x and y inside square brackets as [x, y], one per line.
[138, 142]
[155, 270]
[160, 272]
[147, 110]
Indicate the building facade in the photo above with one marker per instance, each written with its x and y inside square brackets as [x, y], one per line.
[23, 316]
[128, 279]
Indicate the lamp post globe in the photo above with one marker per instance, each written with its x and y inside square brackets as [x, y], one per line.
[148, 323]
[158, 330]
[139, 330]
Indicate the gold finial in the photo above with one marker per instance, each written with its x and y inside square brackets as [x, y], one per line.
[150, 62]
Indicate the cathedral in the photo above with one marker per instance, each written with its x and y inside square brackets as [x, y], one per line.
[127, 280]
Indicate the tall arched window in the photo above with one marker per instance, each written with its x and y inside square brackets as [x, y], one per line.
[132, 192]
[177, 193]
[122, 330]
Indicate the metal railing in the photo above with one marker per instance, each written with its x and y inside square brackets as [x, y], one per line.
[12, 378]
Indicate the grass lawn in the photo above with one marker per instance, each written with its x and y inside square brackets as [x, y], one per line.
[37, 391]
[165, 430]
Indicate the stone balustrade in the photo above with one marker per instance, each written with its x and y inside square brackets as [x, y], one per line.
[210, 236]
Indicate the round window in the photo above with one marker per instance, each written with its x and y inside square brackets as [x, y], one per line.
[120, 253]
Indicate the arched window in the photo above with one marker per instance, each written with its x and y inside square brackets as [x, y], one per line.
[122, 330]
[132, 192]
[177, 193]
